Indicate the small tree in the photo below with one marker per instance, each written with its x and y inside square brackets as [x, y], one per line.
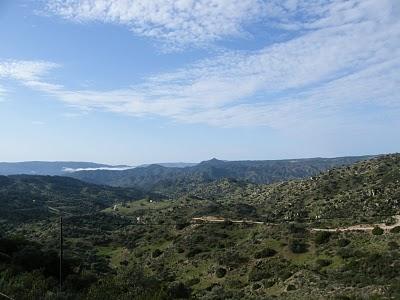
[156, 253]
[267, 252]
[220, 272]
[343, 242]
[323, 262]
[395, 229]
[392, 245]
[297, 246]
[178, 290]
[377, 231]
[322, 237]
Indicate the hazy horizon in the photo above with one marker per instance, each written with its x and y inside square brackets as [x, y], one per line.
[133, 165]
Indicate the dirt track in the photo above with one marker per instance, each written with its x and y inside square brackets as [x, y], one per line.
[210, 219]
[360, 227]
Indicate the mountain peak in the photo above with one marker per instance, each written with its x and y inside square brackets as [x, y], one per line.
[213, 161]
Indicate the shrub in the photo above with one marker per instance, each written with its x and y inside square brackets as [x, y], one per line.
[227, 223]
[194, 252]
[377, 231]
[258, 274]
[345, 252]
[395, 229]
[193, 281]
[156, 253]
[181, 225]
[343, 242]
[267, 252]
[124, 263]
[390, 221]
[323, 262]
[220, 272]
[297, 228]
[232, 259]
[393, 245]
[322, 237]
[178, 290]
[291, 287]
[297, 246]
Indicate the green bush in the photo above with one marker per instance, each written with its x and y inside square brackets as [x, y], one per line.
[297, 228]
[181, 225]
[346, 253]
[322, 237]
[377, 231]
[194, 252]
[323, 262]
[298, 246]
[156, 253]
[258, 274]
[267, 252]
[178, 290]
[220, 272]
[395, 229]
[291, 287]
[392, 245]
[343, 242]
[193, 281]
[390, 221]
[232, 259]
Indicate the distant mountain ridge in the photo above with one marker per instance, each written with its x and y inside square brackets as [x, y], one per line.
[171, 180]
[62, 168]
[45, 167]
[171, 165]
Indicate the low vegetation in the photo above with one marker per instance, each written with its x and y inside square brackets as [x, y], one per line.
[129, 245]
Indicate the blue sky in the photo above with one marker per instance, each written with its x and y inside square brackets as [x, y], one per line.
[139, 81]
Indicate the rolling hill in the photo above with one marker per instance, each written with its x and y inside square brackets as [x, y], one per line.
[172, 180]
[156, 249]
[27, 197]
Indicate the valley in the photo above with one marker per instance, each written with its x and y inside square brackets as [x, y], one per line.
[333, 235]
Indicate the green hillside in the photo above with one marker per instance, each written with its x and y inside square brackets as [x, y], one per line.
[153, 248]
[177, 180]
[25, 197]
[365, 189]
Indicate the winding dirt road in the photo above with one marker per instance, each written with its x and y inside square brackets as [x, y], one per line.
[210, 219]
[360, 227]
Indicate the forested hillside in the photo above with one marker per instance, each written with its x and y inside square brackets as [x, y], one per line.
[25, 197]
[365, 189]
[226, 239]
[174, 180]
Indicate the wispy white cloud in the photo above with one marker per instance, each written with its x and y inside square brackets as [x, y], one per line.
[25, 70]
[346, 56]
[197, 22]
[72, 170]
[176, 22]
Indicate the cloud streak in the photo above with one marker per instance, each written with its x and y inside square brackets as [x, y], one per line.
[345, 55]
[25, 70]
[179, 23]
[72, 170]
[175, 22]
